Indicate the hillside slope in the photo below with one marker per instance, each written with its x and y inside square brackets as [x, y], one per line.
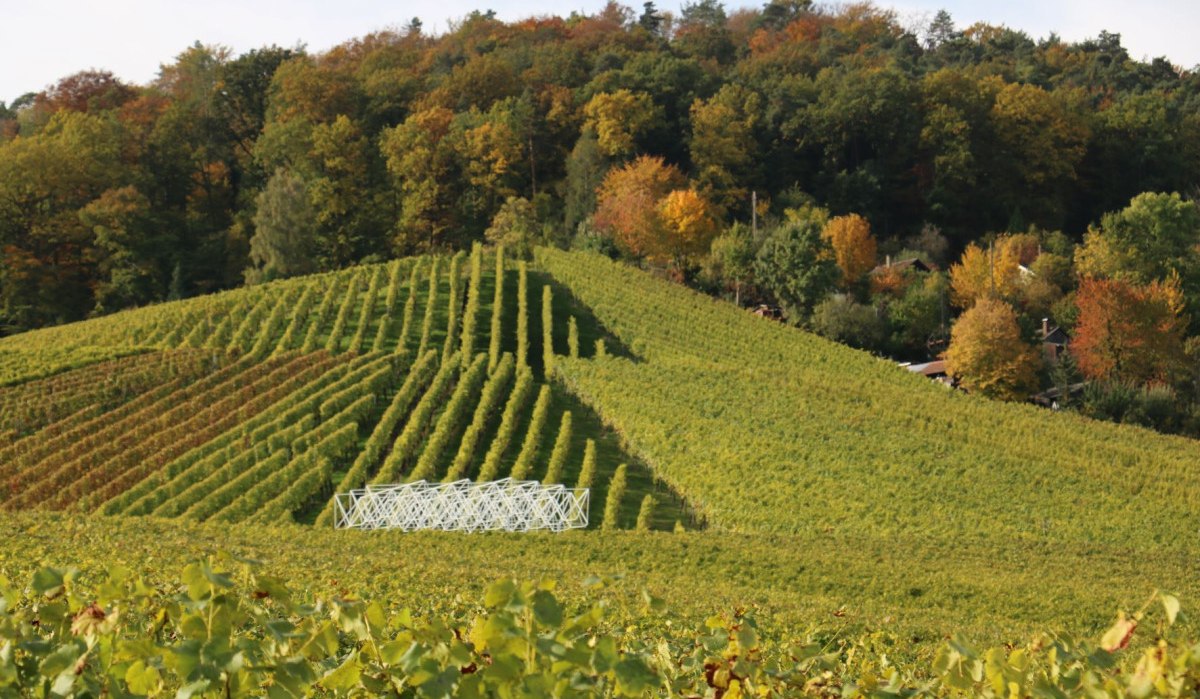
[766, 428]
[819, 477]
[260, 404]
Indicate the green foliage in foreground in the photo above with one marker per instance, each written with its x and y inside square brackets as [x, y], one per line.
[225, 629]
[918, 588]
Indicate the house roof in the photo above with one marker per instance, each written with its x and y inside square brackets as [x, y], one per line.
[903, 266]
[934, 368]
[1056, 336]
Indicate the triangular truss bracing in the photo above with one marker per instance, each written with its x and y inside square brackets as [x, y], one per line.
[466, 506]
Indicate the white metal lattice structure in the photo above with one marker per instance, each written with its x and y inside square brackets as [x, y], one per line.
[503, 505]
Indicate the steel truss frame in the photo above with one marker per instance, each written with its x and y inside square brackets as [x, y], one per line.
[464, 505]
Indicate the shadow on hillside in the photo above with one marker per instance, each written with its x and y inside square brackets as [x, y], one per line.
[565, 306]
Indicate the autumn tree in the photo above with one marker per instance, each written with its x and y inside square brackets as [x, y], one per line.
[619, 119]
[723, 144]
[491, 153]
[842, 319]
[339, 191]
[1128, 332]
[585, 169]
[702, 31]
[130, 251]
[628, 205]
[421, 161]
[515, 226]
[919, 317]
[853, 247]
[992, 271]
[690, 223]
[1041, 140]
[86, 91]
[988, 355]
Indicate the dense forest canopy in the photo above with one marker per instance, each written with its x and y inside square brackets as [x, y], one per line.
[232, 168]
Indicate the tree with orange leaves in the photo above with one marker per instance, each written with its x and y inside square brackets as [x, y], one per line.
[853, 247]
[987, 352]
[628, 205]
[1127, 332]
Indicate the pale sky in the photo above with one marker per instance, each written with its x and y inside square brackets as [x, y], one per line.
[41, 42]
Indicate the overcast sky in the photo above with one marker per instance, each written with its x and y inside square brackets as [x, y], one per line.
[41, 42]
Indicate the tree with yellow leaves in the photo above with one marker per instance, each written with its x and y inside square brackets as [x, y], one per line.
[619, 118]
[995, 271]
[988, 355]
[853, 247]
[690, 225]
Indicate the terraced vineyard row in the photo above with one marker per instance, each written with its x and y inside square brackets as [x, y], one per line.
[261, 404]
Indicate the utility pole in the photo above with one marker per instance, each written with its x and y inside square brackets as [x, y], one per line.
[992, 265]
[754, 214]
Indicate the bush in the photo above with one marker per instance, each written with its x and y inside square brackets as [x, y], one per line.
[842, 319]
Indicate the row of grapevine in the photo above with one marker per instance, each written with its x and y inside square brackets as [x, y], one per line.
[489, 401]
[497, 312]
[367, 312]
[349, 301]
[291, 335]
[387, 319]
[471, 314]
[275, 324]
[562, 448]
[616, 493]
[381, 437]
[453, 306]
[430, 308]
[407, 444]
[522, 315]
[533, 435]
[169, 481]
[312, 338]
[547, 332]
[249, 323]
[410, 307]
[451, 422]
[509, 421]
[58, 483]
